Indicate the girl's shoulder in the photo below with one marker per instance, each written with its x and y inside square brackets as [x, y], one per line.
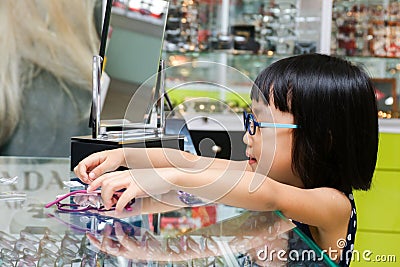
[337, 203]
[324, 208]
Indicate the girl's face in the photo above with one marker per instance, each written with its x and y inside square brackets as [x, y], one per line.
[270, 149]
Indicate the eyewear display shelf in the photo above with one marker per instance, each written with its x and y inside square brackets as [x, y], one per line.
[209, 235]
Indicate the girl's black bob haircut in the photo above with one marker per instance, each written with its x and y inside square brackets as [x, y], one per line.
[334, 103]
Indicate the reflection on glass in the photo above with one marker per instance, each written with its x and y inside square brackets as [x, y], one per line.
[132, 56]
[235, 239]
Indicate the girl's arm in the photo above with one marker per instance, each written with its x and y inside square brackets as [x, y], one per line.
[255, 191]
[321, 207]
[140, 158]
[326, 210]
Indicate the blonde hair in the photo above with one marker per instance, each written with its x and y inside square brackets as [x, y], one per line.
[57, 36]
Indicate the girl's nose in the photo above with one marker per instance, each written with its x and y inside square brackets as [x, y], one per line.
[247, 138]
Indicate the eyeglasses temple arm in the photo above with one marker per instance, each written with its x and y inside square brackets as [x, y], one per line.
[277, 125]
[64, 197]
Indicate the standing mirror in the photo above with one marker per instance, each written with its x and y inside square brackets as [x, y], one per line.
[132, 57]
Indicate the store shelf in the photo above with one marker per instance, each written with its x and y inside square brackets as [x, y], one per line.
[250, 65]
[136, 22]
[389, 126]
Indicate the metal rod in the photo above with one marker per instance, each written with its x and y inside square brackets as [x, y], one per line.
[103, 43]
[161, 100]
[96, 90]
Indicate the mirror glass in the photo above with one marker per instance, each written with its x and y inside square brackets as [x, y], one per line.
[132, 56]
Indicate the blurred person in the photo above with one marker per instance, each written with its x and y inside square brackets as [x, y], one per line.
[46, 49]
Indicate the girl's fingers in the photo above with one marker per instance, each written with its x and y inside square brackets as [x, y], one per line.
[81, 172]
[83, 169]
[101, 180]
[110, 183]
[97, 164]
[130, 193]
[93, 185]
[100, 169]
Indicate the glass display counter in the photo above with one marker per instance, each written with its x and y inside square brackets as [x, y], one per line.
[152, 234]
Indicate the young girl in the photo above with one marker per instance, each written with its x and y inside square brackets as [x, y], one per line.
[311, 140]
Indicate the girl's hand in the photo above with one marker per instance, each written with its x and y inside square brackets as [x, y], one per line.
[137, 184]
[99, 163]
[148, 205]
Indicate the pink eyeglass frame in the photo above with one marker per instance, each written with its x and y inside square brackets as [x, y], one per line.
[77, 192]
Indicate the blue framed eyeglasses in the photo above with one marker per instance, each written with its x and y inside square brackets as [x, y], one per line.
[250, 124]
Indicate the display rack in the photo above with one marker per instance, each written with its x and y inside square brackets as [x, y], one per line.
[366, 28]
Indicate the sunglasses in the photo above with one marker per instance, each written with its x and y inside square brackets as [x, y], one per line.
[81, 201]
[250, 124]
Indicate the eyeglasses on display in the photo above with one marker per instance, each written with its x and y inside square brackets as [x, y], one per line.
[82, 201]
